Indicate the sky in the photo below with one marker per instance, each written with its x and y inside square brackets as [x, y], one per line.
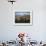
[22, 13]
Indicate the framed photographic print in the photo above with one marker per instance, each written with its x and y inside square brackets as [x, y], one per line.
[23, 18]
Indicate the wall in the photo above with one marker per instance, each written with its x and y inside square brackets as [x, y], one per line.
[9, 31]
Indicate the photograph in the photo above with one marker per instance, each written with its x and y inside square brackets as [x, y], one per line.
[23, 17]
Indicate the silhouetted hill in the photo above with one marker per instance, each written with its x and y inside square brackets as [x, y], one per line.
[22, 19]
